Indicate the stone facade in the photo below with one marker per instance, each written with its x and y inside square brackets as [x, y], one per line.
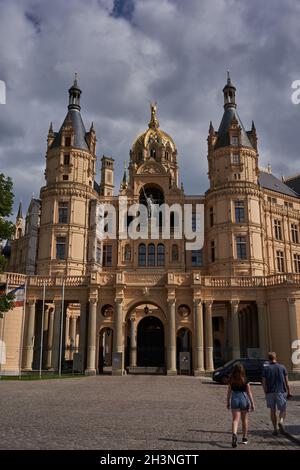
[137, 304]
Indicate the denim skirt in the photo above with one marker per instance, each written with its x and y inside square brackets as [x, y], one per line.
[239, 401]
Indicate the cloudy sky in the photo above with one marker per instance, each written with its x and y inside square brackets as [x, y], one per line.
[128, 52]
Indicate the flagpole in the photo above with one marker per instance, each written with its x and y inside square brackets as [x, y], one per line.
[22, 330]
[61, 326]
[2, 329]
[42, 328]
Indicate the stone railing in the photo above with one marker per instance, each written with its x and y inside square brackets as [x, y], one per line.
[15, 280]
[153, 279]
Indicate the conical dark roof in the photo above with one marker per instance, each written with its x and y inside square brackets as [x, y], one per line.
[20, 215]
[74, 118]
[230, 113]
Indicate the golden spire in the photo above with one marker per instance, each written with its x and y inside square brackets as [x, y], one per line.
[153, 124]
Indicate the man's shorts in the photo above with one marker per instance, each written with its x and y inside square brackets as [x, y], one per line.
[277, 399]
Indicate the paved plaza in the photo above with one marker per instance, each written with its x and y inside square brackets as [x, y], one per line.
[131, 412]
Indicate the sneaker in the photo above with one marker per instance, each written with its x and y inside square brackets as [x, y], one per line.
[245, 440]
[234, 440]
[281, 427]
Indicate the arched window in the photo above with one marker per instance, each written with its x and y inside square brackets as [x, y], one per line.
[160, 255]
[142, 254]
[175, 254]
[151, 254]
[153, 153]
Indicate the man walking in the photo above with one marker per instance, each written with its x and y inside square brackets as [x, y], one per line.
[277, 389]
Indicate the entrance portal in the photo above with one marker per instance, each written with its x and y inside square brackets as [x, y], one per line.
[150, 343]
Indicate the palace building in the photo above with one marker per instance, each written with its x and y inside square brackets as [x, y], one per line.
[151, 305]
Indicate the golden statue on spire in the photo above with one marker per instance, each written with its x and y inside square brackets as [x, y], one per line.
[154, 124]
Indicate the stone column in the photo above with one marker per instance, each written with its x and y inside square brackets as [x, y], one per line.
[133, 345]
[118, 368]
[82, 333]
[209, 360]
[29, 337]
[235, 340]
[50, 337]
[91, 343]
[73, 336]
[198, 325]
[56, 335]
[67, 351]
[294, 331]
[262, 331]
[171, 339]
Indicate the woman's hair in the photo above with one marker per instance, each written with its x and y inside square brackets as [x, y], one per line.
[238, 375]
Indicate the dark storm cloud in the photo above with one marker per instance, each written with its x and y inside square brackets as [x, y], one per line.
[130, 52]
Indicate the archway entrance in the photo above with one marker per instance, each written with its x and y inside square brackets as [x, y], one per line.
[105, 350]
[150, 343]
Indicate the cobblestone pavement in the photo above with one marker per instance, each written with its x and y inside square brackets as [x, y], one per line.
[131, 412]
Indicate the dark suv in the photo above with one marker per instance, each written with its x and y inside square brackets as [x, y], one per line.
[253, 369]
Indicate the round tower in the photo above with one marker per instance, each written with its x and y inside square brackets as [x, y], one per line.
[234, 233]
[70, 173]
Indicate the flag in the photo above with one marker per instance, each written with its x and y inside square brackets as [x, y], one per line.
[18, 293]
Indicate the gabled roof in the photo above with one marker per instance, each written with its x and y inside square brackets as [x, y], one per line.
[269, 181]
[74, 118]
[230, 113]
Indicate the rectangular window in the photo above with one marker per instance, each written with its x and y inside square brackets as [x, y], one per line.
[241, 247]
[295, 233]
[67, 141]
[234, 140]
[297, 263]
[61, 248]
[194, 221]
[277, 229]
[197, 257]
[211, 216]
[107, 255]
[65, 177]
[63, 213]
[212, 251]
[236, 159]
[66, 159]
[239, 210]
[280, 261]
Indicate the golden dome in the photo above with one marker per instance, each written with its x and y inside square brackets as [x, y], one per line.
[153, 134]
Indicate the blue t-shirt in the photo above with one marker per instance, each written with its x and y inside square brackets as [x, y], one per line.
[274, 374]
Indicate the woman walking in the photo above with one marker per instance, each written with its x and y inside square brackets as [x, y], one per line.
[239, 400]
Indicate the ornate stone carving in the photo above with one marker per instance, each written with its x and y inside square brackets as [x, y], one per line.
[184, 311]
[107, 311]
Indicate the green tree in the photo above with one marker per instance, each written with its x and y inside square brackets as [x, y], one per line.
[6, 230]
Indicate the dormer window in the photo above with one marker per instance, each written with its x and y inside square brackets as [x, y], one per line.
[234, 140]
[67, 141]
